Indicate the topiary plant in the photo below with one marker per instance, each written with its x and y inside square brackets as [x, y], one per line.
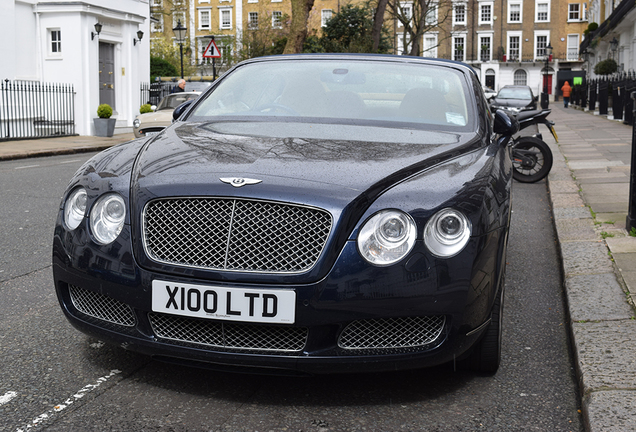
[145, 108]
[605, 67]
[104, 111]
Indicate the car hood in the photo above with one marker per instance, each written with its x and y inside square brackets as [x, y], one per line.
[157, 116]
[292, 160]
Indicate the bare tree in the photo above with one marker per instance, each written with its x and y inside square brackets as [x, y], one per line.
[418, 17]
[378, 22]
[298, 28]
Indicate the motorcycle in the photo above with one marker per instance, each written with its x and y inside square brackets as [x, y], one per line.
[531, 156]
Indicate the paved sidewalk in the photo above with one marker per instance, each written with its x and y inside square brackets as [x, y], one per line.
[54, 146]
[589, 191]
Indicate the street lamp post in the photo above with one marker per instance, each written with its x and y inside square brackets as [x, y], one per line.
[544, 96]
[179, 33]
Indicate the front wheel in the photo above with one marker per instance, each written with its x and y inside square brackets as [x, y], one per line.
[531, 160]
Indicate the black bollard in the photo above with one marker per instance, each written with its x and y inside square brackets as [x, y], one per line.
[630, 223]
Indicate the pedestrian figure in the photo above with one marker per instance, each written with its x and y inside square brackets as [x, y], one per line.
[566, 89]
[179, 87]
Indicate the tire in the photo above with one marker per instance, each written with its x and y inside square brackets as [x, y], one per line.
[531, 160]
[485, 356]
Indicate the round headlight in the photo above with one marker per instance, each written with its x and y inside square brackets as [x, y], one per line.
[107, 218]
[136, 123]
[447, 233]
[75, 208]
[387, 237]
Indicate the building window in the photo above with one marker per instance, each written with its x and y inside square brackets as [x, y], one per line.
[514, 48]
[520, 77]
[514, 12]
[484, 48]
[459, 48]
[325, 16]
[176, 17]
[573, 47]
[406, 13]
[252, 20]
[485, 13]
[403, 42]
[157, 3]
[431, 15]
[225, 19]
[56, 41]
[574, 12]
[156, 25]
[277, 19]
[584, 16]
[430, 46]
[540, 42]
[459, 14]
[543, 11]
[204, 20]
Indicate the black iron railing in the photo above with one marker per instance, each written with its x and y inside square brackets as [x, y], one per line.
[602, 93]
[152, 93]
[31, 109]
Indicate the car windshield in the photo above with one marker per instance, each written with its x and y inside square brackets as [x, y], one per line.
[173, 101]
[348, 91]
[514, 93]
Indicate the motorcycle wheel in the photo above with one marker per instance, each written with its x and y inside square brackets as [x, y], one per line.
[531, 160]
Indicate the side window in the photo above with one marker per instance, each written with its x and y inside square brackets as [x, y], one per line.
[55, 42]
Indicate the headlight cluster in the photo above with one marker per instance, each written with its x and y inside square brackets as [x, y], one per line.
[389, 235]
[447, 233]
[136, 123]
[106, 217]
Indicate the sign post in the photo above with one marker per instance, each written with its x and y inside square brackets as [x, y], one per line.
[212, 51]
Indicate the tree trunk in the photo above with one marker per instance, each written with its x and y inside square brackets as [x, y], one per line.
[298, 28]
[378, 22]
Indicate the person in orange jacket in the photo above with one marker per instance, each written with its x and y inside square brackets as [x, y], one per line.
[566, 89]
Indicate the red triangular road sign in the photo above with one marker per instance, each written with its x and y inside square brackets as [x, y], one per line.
[212, 51]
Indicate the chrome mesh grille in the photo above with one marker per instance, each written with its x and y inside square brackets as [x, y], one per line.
[392, 333]
[230, 234]
[228, 335]
[102, 307]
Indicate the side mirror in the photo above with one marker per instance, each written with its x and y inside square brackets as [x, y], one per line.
[536, 98]
[153, 108]
[180, 110]
[505, 124]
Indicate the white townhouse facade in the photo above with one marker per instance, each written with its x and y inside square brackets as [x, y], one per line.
[57, 42]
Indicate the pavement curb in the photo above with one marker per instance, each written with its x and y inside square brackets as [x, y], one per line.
[53, 152]
[602, 325]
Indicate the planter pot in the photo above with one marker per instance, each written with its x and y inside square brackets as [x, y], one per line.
[104, 127]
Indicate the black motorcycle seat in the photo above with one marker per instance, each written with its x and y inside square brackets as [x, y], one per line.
[523, 115]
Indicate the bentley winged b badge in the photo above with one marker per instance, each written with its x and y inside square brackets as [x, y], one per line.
[238, 182]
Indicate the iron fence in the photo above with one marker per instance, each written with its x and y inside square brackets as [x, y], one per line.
[603, 93]
[152, 93]
[31, 109]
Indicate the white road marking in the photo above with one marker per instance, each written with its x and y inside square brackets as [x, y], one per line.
[7, 397]
[26, 166]
[70, 161]
[57, 408]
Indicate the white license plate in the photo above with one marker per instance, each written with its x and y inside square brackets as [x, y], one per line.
[151, 133]
[231, 304]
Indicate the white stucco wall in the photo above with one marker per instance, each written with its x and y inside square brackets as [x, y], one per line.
[26, 26]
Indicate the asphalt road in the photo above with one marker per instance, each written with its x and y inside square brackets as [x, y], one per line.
[53, 378]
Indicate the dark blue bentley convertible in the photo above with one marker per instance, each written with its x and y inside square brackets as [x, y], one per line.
[307, 214]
